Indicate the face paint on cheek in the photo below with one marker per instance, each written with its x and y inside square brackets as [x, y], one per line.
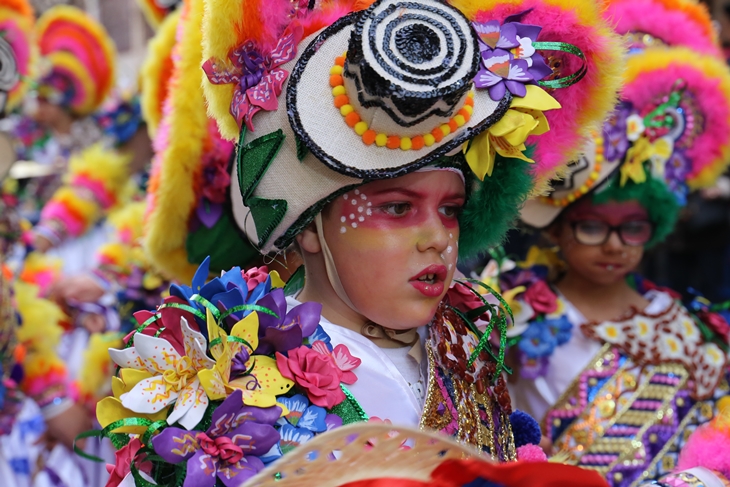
[355, 210]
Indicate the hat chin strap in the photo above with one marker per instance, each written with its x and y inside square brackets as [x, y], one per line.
[369, 329]
[329, 264]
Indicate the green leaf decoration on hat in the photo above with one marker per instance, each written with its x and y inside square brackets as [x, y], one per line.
[217, 242]
[253, 161]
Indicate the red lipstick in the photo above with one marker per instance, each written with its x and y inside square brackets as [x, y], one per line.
[430, 281]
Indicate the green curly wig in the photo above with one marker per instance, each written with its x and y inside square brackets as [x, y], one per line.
[653, 195]
[493, 206]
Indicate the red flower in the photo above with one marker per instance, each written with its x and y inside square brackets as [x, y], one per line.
[255, 276]
[315, 373]
[168, 322]
[462, 298]
[541, 298]
[124, 458]
[717, 323]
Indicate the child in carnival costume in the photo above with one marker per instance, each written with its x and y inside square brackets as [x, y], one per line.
[621, 373]
[33, 398]
[230, 374]
[76, 73]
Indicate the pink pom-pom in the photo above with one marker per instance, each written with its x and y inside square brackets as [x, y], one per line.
[708, 447]
[531, 453]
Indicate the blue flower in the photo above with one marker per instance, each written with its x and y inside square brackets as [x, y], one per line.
[292, 437]
[319, 335]
[538, 340]
[561, 328]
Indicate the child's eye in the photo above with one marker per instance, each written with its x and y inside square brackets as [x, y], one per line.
[396, 209]
[450, 211]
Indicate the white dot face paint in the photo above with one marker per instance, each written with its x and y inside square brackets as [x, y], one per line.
[357, 191]
[449, 249]
[360, 209]
[354, 225]
[370, 204]
[369, 212]
[354, 202]
[362, 219]
[343, 230]
[363, 197]
[344, 196]
[343, 219]
[352, 216]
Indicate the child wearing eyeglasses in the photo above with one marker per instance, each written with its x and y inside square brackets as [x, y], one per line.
[620, 372]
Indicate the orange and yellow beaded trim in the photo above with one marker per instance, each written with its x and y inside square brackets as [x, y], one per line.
[590, 182]
[370, 136]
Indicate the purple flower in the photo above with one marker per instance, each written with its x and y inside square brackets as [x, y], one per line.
[509, 58]
[229, 449]
[615, 139]
[285, 331]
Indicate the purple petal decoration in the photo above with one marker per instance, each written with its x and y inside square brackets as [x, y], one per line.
[527, 30]
[485, 79]
[497, 91]
[508, 37]
[175, 445]
[276, 302]
[497, 61]
[308, 315]
[201, 472]
[518, 72]
[539, 69]
[488, 32]
[332, 421]
[254, 438]
[233, 475]
[223, 419]
[279, 340]
[238, 363]
[516, 88]
[208, 213]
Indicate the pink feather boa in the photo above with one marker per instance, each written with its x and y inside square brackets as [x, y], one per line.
[708, 447]
[674, 27]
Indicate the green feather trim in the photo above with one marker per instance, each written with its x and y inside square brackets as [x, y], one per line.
[493, 205]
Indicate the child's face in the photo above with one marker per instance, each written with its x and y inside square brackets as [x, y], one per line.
[593, 246]
[395, 245]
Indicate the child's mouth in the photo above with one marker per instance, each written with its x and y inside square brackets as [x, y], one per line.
[430, 281]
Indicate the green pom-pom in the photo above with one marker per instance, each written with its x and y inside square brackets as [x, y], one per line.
[653, 195]
[493, 206]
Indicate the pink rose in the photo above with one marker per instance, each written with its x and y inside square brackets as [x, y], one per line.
[255, 276]
[717, 323]
[461, 298]
[124, 458]
[541, 298]
[315, 373]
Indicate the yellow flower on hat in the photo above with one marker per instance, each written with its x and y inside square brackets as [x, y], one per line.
[507, 137]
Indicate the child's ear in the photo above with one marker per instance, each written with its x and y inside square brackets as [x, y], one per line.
[552, 233]
[308, 240]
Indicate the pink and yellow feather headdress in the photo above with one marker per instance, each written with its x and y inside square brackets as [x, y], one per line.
[651, 23]
[81, 56]
[16, 27]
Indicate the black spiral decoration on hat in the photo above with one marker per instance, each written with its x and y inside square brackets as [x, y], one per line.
[413, 59]
[9, 75]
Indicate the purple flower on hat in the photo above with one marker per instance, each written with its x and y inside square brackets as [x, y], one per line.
[615, 138]
[509, 60]
[258, 76]
[229, 450]
[285, 331]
